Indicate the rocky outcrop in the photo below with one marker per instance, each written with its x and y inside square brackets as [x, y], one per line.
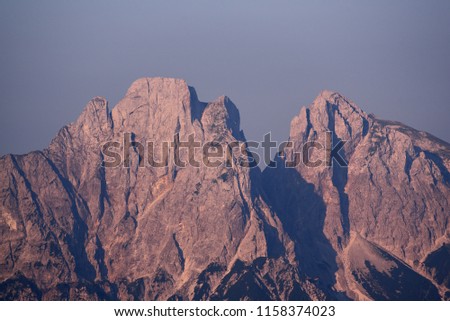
[73, 228]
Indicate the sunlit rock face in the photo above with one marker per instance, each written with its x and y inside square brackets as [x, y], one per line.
[365, 230]
[73, 228]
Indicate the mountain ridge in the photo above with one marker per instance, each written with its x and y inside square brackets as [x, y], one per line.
[72, 229]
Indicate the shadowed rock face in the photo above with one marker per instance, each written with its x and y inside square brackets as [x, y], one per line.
[73, 229]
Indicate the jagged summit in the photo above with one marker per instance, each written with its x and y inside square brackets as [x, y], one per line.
[330, 111]
[328, 95]
[165, 103]
[328, 99]
[392, 193]
[375, 229]
[133, 232]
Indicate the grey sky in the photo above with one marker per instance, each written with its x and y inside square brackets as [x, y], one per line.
[270, 57]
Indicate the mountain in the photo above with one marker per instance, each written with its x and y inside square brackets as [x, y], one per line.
[75, 224]
[373, 229]
[73, 229]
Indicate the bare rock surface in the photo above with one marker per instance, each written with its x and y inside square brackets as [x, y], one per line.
[376, 221]
[72, 229]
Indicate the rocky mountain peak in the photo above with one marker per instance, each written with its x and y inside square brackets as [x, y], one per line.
[95, 120]
[333, 113]
[392, 192]
[221, 116]
[328, 98]
[373, 228]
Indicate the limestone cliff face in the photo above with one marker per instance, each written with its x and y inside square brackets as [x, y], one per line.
[375, 221]
[74, 229]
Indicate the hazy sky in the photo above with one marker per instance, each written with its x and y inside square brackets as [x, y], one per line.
[270, 57]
